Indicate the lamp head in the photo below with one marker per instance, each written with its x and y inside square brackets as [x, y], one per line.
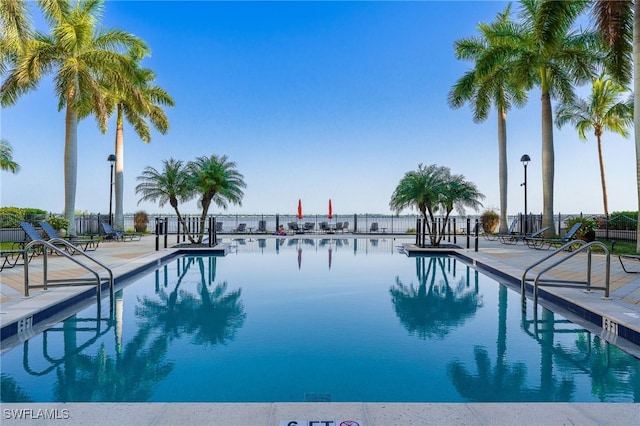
[525, 159]
[111, 158]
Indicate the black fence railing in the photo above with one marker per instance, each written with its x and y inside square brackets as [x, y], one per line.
[618, 227]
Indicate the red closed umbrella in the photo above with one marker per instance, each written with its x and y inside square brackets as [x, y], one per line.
[330, 210]
[299, 209]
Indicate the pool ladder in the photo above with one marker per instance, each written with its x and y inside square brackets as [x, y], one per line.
[538, 281]
[53, 246]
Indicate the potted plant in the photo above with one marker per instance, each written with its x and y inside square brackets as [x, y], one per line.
[489, 220]
[140, 221]
[587, 231]
[60, 224]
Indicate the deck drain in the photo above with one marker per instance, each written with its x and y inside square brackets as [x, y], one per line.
[317, 397]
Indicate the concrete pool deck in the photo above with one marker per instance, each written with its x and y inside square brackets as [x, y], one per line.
[623, 308]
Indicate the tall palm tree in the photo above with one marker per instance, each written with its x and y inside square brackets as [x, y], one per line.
[15, 30]
[216, 180]
[602, 111]
[619, 23]
[432, 190]
[78, 54]
[171, 185]
[141, 106]
[6, 157]
[490, 82]
[554, 57]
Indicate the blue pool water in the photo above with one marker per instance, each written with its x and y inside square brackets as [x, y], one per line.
[339, 319]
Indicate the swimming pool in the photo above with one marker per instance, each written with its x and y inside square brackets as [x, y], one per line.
[309, 319]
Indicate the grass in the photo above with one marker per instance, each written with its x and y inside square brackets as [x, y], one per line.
[619, 247]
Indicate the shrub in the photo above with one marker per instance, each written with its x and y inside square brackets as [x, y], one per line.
[58, 222]
[489, 220]
[140, 221]
[587, 230]
[623, 220]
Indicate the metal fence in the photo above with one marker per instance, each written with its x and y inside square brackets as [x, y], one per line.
[617, 227]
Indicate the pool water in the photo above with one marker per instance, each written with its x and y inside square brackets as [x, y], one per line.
[338, 319]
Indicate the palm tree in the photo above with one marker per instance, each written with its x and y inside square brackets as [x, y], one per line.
[172, 186]
[15, 30]
[140, 106]
[550, 55]
[602, 111]
[619, 23]
[490, 82]
[6, 157]
[431, 190]
[216, 180]
[79, 55]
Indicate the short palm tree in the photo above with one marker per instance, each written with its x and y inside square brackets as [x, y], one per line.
[6, 157]
[432, 190]
[216, 180]
[490, 82]
[554, 57]
[78, 54]
[141, 105]
[601, 112]
[171, 185]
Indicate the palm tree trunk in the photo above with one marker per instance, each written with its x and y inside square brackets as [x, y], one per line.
[547, 163]
[119, 172]
[636, 100]
[502, 169]
[70, 165]
[602, 178]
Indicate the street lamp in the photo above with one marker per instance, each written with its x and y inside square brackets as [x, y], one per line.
[112, 160]
[525, 160]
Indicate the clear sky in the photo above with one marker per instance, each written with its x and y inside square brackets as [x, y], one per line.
[312, 101]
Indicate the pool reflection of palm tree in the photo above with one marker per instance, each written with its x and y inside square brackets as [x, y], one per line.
[11, 391]
[505, 382]
[435, 307]
[212, 316]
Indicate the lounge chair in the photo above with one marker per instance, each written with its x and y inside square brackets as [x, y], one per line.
[374, 227]
[547, 243]
[218, 226]
[113, 234]
[262, 226]
[324, 227]
[345, 226]
[308, 226]
[10, 258]
[293, 227]
[506, 238]
[88, 244]
[242, 227]
[33, 234]
[631, 257]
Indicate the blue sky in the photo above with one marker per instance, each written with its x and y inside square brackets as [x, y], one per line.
[312, 101]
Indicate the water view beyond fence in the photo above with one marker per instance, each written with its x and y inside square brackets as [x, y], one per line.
[616, 228]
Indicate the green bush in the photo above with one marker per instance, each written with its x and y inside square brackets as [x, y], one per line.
[58, 222]
[588, 226]
[623, 220]
[10, 217]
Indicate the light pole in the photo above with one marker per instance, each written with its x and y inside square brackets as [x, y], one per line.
[111, 159]
[525, 160]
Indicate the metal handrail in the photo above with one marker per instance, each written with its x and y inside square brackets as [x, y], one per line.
[558, 283]
[51, 244]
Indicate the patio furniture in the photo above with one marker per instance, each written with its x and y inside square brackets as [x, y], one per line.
[84, 244]
[629, 257]
[547, 243]
[242, 227]
[110, 233]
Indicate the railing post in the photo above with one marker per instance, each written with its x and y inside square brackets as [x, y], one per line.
[157, 234]
[455, 232]
[476, 235]
[212, 230]
[468, 233]
[166, 231]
